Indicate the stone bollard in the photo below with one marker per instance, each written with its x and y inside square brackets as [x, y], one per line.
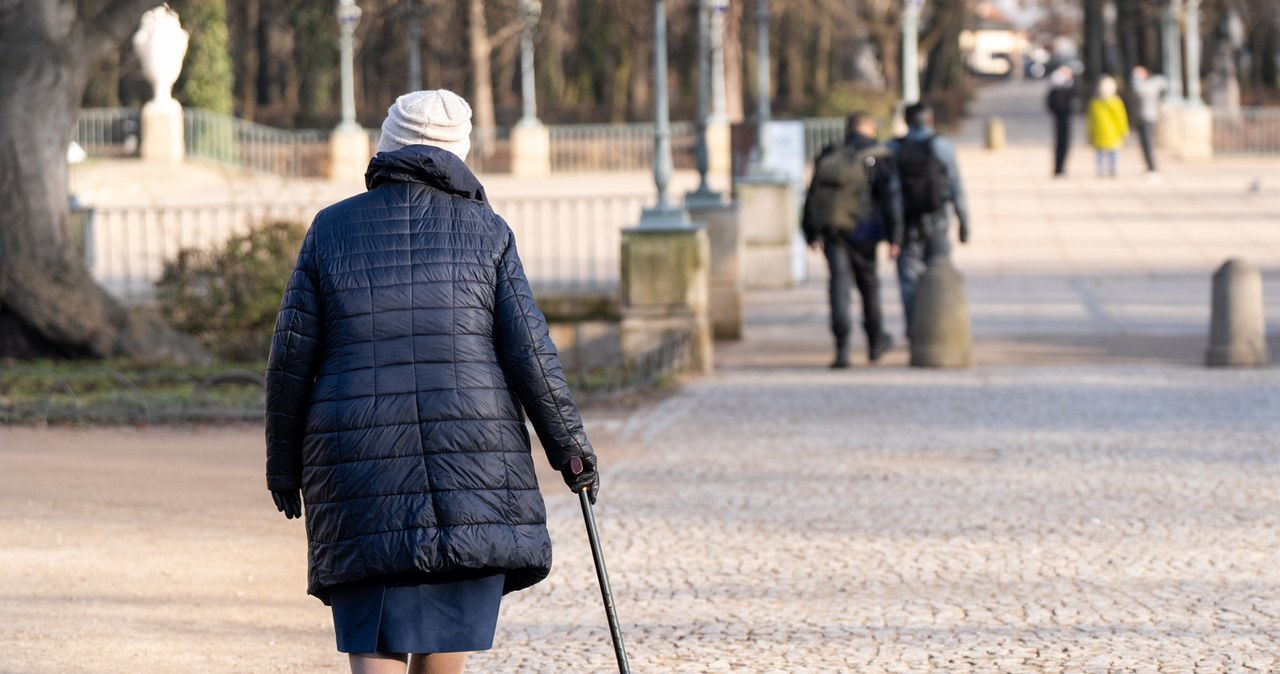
[995, 138]
[1237, 328]
[940, 321]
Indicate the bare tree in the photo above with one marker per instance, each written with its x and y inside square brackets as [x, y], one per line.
[49, 303]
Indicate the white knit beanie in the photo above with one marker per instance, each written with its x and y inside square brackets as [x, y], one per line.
[438, 117]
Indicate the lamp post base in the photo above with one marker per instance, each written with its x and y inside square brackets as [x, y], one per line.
[348, 154]
[530, 150]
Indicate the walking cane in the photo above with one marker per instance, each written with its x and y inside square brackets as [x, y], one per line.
[575, 466]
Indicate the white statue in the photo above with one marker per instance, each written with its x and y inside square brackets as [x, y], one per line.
[161, 44]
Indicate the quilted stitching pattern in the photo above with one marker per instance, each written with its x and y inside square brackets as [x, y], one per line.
[407, 345]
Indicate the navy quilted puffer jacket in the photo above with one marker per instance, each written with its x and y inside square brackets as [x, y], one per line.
[406, 345]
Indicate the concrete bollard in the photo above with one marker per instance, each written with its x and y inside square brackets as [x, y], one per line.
[940, 335]
[995, 138]
[1237, 328]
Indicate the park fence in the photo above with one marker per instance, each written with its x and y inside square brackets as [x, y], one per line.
[227, 140]
[568, 244]
[1248, 131]
[109, 133]
[253, 147]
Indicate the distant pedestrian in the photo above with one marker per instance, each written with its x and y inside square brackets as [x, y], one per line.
[1108, 123]
[406, 356]
[930, 180]
[1061, 103]
[1147, 91]
[853, 202]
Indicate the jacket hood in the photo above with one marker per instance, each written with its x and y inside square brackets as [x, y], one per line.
[427, 165]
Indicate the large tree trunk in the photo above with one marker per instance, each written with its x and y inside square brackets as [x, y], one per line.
[49, 303]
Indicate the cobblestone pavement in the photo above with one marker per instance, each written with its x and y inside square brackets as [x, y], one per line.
[1060, 519]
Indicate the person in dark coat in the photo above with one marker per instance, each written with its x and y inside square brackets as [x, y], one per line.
[851, 252]
[407, 351]
[1061, 102]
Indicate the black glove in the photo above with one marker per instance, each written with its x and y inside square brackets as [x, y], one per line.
[964, 232]
[581, 474]
[289, 502]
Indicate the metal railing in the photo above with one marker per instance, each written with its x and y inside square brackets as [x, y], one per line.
[115, 132]
[1249, 131]
[616, 147]
[109, 132]
[637, 374]
[820, 132]
[571, 244]
[126, 248]
[568, 244]
[264, 149]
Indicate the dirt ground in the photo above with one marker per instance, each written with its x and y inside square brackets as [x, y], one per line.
[159, 550]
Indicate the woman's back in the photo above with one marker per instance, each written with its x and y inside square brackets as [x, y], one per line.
[407, 344]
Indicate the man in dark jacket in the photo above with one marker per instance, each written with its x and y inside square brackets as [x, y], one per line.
[406, 347]
[930, 177]
[1061, 104]
[849, 239]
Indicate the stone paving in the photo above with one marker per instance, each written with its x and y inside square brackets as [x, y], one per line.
[1059, 519]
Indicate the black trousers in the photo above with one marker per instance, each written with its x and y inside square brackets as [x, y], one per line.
[1061, 143]
[853, 263]
[1144, 129]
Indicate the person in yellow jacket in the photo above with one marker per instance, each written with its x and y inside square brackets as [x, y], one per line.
[1108, 125]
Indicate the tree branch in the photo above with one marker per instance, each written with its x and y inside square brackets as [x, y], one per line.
[104, 32]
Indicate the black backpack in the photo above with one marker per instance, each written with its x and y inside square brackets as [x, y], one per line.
[924, 178]
[842, 182]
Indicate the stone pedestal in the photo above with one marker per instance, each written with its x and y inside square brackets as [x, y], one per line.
[1195, 132]
[1237, 328]
[768, 218]
[162, 132]
[1169, 128]
[719, 150]
[994, 135]
[940, 335]
[665, 288]
[725, 280]
[530, 150]
[349, 154]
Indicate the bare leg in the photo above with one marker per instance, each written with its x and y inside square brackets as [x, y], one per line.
[437, 663]
[378, 663]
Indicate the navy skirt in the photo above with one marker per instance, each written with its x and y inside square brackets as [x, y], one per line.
[416, 615]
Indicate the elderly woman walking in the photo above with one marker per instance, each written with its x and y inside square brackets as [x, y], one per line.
[407, 346]
[1108, 123]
